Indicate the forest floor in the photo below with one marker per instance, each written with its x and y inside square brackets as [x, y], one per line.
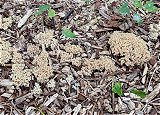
[56, 58]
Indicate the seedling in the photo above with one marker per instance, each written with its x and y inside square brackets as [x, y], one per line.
[68, 33]
[45, 8]
[149, 7]
[138, 3]
[126, 10]
[139, 93]
[117, 88]
[137, 18]
[87, 1]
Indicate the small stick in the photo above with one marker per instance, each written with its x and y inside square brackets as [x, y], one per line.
[68, 14]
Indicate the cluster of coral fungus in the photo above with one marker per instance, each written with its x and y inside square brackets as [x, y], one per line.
[130, 48]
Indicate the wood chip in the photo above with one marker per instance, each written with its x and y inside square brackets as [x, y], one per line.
[7, 95]
[6, 82]
[51, 99]
[2, 113]
[25, 18]
[21, 99]
[29, 111]
[145, 70]
[1, 106]
[77, 109]
[153, 94]
[102, 12]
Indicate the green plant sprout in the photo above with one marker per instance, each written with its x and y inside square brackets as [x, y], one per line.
[138, 3]
[139, 93]
[68, 33]
[87, 1]
[124, 9]
[45, 8]
[149, 7]
[117, 88]
[137, 18]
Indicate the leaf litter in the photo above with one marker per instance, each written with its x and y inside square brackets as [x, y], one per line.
[63, 88]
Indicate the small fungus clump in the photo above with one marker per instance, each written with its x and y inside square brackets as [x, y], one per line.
[154, 31]
[5, 52]
[5, 56]
[100, 64]
[46, 38]
[51, 83]
[33, 50]
[20, 76]
[65, 57]
[74, 49]
[131, 49]
[5, 22]
[37, 89]
[76, 61]
[42, 70]
[43, 73]
[17, 58]
[5, 45]
[41, 59]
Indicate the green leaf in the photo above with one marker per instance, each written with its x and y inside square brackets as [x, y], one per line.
[124, 9]
[68, 33]
[38, 12]
[40, 111]
[139, 93]
[44, 7]
[137, 18]
[41, 9]
[138, 3]
[87, 1]
[117, 88]
[149, 7]
[51, 13]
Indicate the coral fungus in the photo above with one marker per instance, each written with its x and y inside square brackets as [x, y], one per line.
[46, 38]
[5, 22]
[98, 64]
[5, 51]
[132, 49]
[74, 49]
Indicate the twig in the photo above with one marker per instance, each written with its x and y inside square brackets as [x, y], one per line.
[23, 20]
[153, 94]
[16, 108]
[68, 14]
[152, 77]
[113, 100]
